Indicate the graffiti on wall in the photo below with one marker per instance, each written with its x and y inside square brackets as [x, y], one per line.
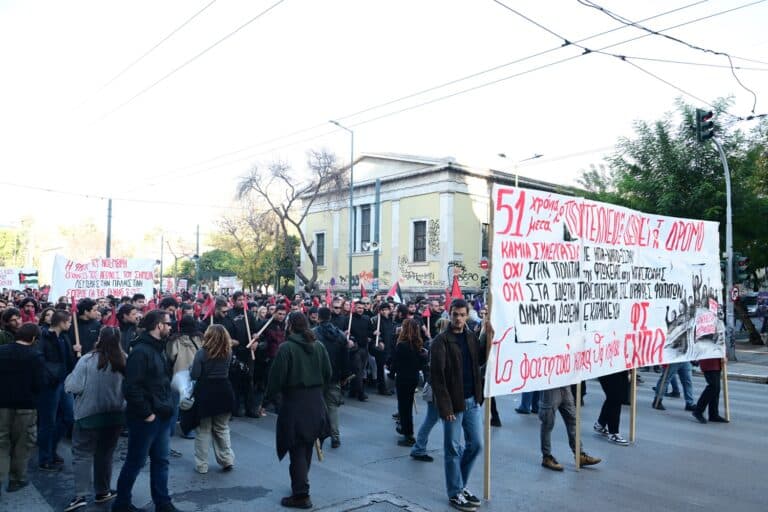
[422, 277]
[465, 276]
[433, 237]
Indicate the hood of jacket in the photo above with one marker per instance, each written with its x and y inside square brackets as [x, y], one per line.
[307, 346]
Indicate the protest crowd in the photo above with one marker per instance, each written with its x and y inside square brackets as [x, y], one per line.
[180, 364]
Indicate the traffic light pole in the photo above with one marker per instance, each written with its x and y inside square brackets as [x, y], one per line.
[729, 320]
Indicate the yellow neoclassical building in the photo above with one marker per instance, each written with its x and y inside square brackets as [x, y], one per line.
[433, 222]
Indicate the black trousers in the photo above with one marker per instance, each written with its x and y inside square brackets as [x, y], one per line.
[244, 393]
[615, 388]
[301, 458]
[710, 397]
[381, 359]
[405, 389]
[358, 363]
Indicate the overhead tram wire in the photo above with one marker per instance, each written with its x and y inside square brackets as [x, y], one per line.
[466, 90]
[413, 95]
[190, 60]
[586, 51]
[148, 52]
[630, 23]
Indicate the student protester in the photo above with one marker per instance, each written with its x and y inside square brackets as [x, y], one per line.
[10, 321]
[213, 399]
[181, 350]
[419, 450]
[88, 324]
[300, 372]
[408, 361]
[559, 399]
[337, 346]
[54, 410]
[615, 387]
[360, 332]
[384, 330]
[97, 385]
[46, 315]
[149, 408]
[710, 397]
[21, 381]
[28, 307]
[128, 320]
[456, 357]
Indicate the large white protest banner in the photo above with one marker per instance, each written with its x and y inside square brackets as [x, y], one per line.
[99, 277]
[582, 289]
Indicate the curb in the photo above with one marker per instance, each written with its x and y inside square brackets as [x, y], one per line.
[741, 377]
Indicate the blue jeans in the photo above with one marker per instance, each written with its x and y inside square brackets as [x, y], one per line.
[54, 416]
[684, 371]
[420, 448]
[459, 458]
[145, 439]
[529, 401]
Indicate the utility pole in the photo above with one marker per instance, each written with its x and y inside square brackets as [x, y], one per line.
[351, 200]
[109, 227]
[729, 320]
[376, 217]
[162, 242]
[197, 258]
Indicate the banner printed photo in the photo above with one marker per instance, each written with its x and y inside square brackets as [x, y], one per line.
[583, 289]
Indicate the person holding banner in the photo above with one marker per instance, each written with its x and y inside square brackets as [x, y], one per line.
[559, 399]
[456, 358]
[710, 397]
[615, 387]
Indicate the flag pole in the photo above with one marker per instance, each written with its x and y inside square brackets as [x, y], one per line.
[577, 400]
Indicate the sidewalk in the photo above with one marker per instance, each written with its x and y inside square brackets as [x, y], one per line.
[751, 363]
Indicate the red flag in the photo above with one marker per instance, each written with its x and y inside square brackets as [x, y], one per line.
[395, 293]
[426, 313]
[453, 293]
[363, 292]
[150, 306]
[197, 308]
[209, 306]
[328, 298]
[316, 302]
[287, 304]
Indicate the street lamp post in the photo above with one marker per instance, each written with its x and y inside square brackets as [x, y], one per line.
[534, 157]
[351, 197]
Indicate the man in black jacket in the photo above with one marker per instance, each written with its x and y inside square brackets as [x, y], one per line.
[21, 380]
[88, 325]
[384, 331]
[242, 375]
[147, 389]
[337, 346]
[55, 413]
[360, 332]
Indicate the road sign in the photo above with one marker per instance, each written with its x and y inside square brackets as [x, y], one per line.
[734, 294]
[484, 263]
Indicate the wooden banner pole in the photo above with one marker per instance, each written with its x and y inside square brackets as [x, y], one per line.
[77, 348]
[488, 342]
[633, 405]
[248, 332]
[319, 451]
[726, 396]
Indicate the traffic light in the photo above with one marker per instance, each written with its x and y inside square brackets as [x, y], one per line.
[740, 266]
[705, 127]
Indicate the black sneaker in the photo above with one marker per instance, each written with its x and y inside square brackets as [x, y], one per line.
[689, 407]
[658, 405]
[335, 443]
[406, 441]
[699, 416]
[471, 498]
[495, 422]
[362, 397]
[105, 497]
[422, 457]
[76, 503]
[49, 466]
[459, 502]
[296, 502]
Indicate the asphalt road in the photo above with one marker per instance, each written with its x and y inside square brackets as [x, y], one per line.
[675, 465]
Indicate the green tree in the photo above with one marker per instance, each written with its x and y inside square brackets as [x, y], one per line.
[664, 170]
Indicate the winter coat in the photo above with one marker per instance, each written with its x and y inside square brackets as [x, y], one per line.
[147, 385]
[446, 368]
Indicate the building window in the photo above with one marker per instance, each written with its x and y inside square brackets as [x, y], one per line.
[484, 240]
[419, 241]
[365, 226]
[320, 249]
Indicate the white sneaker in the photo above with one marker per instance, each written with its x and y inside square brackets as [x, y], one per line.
[603, 431]
[617, 439]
